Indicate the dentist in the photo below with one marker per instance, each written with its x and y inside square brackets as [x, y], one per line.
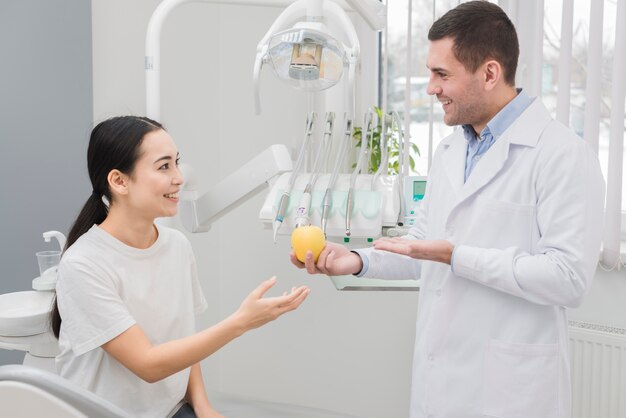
[508, 235]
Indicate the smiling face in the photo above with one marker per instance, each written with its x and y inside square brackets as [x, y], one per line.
[460, 92]
[156, 180]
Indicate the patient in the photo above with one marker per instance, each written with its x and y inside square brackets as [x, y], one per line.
[128, 290]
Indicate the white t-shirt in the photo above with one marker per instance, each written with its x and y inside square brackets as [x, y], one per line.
[105, 287]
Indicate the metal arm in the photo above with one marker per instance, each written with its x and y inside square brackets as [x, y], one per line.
[197, 213]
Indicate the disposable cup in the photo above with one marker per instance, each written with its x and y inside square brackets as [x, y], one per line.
[48, 261]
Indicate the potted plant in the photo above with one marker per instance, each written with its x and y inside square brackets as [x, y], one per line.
[393, 146]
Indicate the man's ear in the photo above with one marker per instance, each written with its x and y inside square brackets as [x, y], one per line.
[118, 182]
[492, 73]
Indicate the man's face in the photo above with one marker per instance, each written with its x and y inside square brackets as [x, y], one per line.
[460, 92]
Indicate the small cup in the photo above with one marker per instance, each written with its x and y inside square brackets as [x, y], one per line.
[48, 262]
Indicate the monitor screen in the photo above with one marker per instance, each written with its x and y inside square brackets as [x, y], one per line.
[419, 188]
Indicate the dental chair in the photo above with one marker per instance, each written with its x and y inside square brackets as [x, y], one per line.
[27, 392]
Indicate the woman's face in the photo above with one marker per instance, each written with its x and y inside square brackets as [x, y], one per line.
[156, 180]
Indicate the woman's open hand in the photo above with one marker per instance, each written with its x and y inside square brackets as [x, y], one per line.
[255, 310]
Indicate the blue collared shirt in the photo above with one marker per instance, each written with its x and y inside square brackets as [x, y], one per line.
[477, 145]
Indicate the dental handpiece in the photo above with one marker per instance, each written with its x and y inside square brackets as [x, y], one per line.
[284, 199]
[324, 149]
[385, 134]
[395, 117]
[302, 213]
[327, 201]
[362, 159]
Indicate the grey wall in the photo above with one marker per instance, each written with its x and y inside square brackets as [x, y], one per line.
[46, 112]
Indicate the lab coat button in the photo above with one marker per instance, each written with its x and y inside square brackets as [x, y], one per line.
[431, 358]
[438, 293]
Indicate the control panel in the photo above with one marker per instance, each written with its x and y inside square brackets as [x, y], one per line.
[414, 189]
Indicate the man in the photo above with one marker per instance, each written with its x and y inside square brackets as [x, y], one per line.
[507, 236]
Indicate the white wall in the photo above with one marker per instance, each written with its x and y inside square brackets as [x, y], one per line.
[347, 352]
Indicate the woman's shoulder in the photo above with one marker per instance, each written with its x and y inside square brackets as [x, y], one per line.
[172, 235]
[84, 243]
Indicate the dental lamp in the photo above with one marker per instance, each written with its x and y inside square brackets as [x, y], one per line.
[305, 55]
[303, 51]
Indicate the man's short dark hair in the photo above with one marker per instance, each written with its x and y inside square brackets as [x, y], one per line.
[480, 31]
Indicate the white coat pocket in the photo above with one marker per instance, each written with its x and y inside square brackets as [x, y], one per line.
[521, 380]
[513, 221]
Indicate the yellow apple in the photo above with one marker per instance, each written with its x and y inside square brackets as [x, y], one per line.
[307, 238]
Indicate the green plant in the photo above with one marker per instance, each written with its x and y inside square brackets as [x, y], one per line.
[393, 145]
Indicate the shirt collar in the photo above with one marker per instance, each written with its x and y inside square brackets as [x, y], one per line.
[503, 119]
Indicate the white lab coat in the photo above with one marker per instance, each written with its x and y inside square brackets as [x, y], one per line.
[491, 337]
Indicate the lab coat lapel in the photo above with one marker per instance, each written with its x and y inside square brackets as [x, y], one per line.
[488, 167]
[525, 131]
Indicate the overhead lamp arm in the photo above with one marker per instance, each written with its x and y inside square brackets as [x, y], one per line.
[197, 213]
[152, 61]
[373, 12]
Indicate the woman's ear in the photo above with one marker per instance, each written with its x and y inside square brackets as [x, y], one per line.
[492, 72]
[118, 182]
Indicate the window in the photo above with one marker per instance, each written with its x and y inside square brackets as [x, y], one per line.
[576, 67]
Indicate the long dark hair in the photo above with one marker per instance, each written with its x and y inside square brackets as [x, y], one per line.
[481, 31]
[113, 145]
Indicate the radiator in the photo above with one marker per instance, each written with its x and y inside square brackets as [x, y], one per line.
[598, 361]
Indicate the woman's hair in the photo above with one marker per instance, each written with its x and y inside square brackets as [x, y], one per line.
[480, 31]
[114, 145]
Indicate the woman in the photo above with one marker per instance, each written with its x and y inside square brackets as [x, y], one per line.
[128, 290]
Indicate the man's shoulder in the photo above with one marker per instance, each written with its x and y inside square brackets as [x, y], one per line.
[558, 135]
